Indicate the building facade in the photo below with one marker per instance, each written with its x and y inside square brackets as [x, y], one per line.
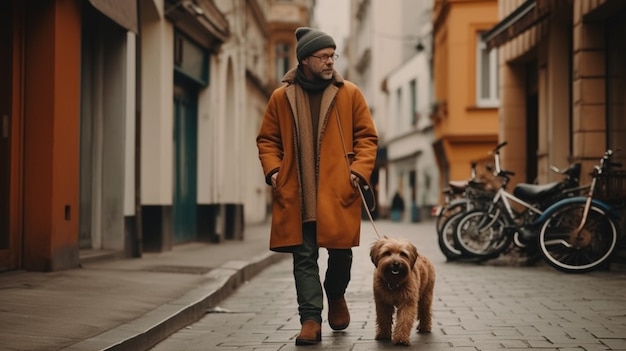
[562, 84]
[128, 126]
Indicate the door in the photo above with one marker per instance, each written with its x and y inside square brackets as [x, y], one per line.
[185, 164]
[532, 121]
[5, 136]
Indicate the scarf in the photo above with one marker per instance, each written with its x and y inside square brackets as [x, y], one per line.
[315, 85]
[307, 146]
[307, 92]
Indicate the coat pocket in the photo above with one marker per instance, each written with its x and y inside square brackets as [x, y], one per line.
[350, 156]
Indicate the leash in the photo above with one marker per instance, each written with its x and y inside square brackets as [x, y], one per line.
[345, 152]
[369, 215]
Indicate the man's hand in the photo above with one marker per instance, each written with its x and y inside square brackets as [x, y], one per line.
[274, 176]
[355, 180]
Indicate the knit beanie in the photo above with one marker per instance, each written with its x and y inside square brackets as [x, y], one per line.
[310, 40]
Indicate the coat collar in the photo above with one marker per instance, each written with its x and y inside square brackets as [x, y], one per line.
[328, 97]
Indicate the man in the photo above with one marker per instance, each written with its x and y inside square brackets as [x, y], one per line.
[316, 143]
[397, 207]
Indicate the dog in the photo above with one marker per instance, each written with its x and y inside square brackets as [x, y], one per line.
[403, 283]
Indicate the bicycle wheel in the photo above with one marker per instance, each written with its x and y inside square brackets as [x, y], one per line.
[480, 234]
[450, 210]
[571, 250]
[446, 238]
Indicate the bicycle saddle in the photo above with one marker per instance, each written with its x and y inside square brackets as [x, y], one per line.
[458, 186]
[527, 191]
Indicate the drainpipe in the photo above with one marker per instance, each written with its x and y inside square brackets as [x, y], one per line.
[137, 239]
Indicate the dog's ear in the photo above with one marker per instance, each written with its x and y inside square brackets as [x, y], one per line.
[413, 254]
[374, 250]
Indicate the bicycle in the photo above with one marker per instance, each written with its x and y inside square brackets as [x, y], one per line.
[487, 233]
[461, 197]
[581, 233]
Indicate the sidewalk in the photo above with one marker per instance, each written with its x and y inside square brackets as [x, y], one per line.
[126, 304]
[495, 305]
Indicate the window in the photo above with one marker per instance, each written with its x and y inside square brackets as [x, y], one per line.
[191, 59]
[282, 60]
[414, 116]
[486, 74]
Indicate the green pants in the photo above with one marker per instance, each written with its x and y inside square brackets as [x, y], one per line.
[307, 278]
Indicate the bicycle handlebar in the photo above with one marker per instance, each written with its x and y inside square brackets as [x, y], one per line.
[499, 146]
[496, 156]
[605, 163]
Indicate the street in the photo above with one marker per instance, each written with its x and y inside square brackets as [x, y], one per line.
[491, 306]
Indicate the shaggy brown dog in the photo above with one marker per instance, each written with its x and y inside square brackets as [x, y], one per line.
[404, 283]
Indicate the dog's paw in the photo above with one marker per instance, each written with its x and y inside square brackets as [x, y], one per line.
[383, 337]
[401, 342]
[423, 329]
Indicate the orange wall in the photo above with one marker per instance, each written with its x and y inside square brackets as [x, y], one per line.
[14, 252]
[51, 116]
[464, 132]
[465, 19]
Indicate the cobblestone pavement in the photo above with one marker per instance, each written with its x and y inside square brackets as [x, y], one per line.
[496, 305]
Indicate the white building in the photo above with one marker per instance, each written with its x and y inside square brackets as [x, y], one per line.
[389, 53]
[411, 168]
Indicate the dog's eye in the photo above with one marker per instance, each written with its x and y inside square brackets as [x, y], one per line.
[404, 254]
[386, 253]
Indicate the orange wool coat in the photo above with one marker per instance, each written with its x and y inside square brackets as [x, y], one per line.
[338, 202]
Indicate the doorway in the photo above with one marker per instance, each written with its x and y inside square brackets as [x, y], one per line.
[532, 121]
[185, 163]
[102, 133]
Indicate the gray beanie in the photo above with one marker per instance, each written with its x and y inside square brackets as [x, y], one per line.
[310, 40]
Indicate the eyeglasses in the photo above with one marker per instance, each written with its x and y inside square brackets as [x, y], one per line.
[324, 58]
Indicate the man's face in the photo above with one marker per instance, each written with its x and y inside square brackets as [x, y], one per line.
[321, 63]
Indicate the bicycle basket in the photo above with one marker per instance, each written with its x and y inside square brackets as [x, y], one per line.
[611, 186]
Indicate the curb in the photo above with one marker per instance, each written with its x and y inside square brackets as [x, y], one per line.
[148, 330]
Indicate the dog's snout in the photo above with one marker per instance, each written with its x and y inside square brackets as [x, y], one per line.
[396, 267]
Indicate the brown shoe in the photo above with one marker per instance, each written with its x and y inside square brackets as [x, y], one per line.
[310, 334]
[338, 314]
